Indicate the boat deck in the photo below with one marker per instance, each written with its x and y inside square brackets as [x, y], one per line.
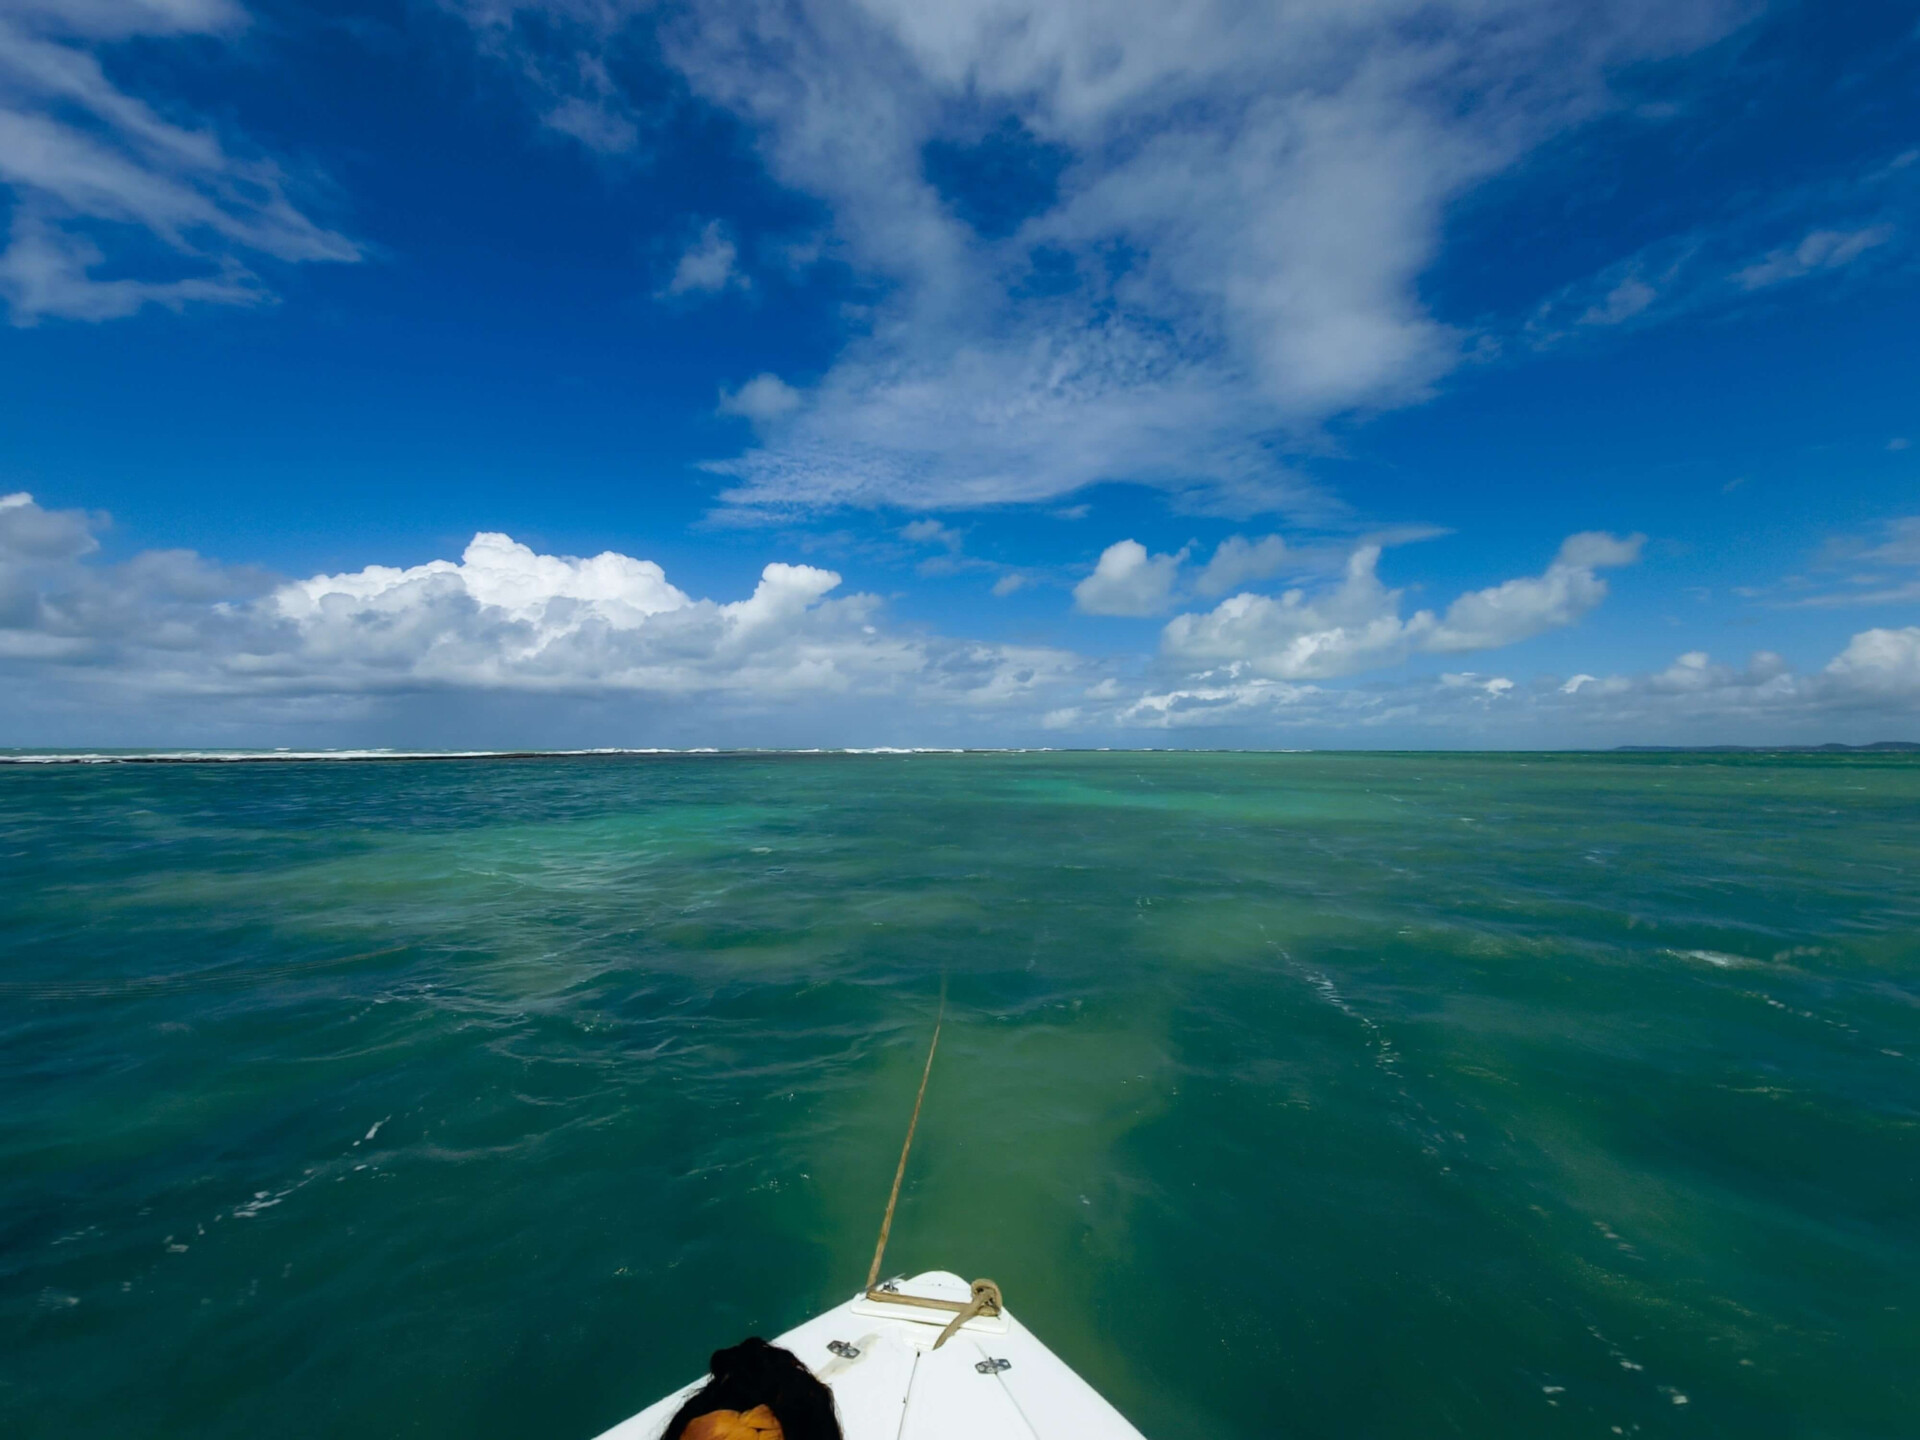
[993, 1378]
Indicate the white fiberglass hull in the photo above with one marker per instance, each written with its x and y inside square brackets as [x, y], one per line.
[992, 1379]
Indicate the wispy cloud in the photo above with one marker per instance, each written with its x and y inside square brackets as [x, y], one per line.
[1863, 219]
[1221, 216]
[1820, 250]
[1854, 570]
[85, 162]
[952, 559]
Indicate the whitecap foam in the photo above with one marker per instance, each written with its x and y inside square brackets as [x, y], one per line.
[1717, 958]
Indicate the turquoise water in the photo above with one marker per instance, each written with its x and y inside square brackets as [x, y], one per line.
[1309, 1095]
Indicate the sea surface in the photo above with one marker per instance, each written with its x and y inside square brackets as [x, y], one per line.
[1318, 1095]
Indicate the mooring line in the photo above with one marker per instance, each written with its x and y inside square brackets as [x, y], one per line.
[900, 1172]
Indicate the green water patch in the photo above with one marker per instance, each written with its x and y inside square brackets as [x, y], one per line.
[1522, 1095]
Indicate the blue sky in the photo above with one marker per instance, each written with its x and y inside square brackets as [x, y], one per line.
[1298, 373]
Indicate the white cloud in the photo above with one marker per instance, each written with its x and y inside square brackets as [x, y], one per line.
[1128, 581]
[501, 619]
[506, 616]
[708, 265]
[29, 534]
[1357, 625]
[1519, 609]
[500, 573]
[1820, 250]
[763, 399]
[1881, 663]
[1246, 198]
[83, 160]
[1238, 560]
[227, 650]
[1871, 690]
[1490, 687]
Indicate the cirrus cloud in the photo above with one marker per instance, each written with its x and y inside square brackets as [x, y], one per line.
[83, 160]
[1129, 241]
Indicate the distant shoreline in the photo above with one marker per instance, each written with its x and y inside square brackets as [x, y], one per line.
[286, 757]
[1878, 747]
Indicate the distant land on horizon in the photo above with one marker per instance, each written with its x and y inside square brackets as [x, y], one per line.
[1882, 746]
[14, 756]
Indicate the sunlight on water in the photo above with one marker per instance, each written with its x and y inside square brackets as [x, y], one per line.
[1308, 1094]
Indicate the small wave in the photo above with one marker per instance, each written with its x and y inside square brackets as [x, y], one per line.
[1717, 958]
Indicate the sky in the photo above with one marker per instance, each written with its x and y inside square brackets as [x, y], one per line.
[570, 373]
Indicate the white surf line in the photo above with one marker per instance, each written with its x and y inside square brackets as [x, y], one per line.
[259, 757]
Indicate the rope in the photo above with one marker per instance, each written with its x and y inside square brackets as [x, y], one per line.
[986, 1301]
[900, 1173]
[986, 1295]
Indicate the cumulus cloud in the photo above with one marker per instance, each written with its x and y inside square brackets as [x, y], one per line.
[1128, 581]
[1882, 663]
[169, 607]
[1357, 625]
[708, 266]
[86, 164]
[1875, 679]
[225, 648]
[1520, 609]
[30, 534]
[505, 616]
[502, 618]
[1871, 690]
[1222, 215]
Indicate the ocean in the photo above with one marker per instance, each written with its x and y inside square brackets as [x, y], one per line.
[1314, 1095]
